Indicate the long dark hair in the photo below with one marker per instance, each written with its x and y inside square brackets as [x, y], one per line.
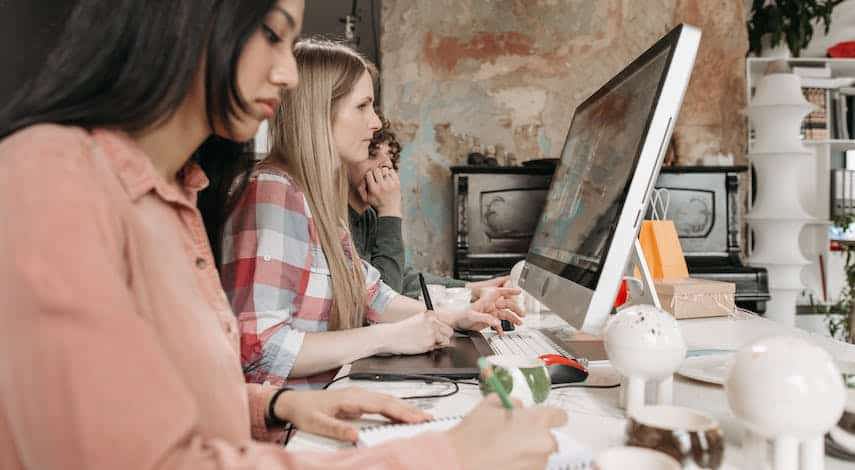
[129, 64]
[227, 164]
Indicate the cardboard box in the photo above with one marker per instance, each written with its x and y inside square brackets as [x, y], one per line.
[696, 298]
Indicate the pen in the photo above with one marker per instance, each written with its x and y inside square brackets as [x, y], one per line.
[425, 294]
[493, 381]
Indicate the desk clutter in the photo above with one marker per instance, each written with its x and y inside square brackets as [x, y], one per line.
[680, 295]
[670, 436]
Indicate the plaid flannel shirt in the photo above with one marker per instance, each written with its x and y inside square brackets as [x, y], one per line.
[277, 278]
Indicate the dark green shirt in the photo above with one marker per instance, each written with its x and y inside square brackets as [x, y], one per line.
[378, 240]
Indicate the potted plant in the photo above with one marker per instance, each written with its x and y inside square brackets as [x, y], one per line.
[789, 20]
[842, 325]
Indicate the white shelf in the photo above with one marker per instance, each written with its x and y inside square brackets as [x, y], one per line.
[836, 145]
[839, 67]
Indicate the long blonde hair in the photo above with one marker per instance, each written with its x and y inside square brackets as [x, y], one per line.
[302, 142]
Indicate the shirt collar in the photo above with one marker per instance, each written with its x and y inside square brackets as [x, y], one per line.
[137, 174]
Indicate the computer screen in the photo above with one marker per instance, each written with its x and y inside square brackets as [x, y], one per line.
[609, 163]
[590, 184]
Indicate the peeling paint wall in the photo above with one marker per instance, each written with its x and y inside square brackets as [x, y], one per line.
[509, 73]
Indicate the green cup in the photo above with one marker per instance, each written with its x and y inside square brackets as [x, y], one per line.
[524, 378]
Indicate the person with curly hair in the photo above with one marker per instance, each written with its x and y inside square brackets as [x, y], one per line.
[375, 214]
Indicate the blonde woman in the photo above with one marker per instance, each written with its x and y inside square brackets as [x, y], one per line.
[302, 294]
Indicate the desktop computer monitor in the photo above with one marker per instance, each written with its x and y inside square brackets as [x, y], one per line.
[608, 167]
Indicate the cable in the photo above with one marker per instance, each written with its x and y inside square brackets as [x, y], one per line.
[464, 382]
[327, 385]
[582, 385]
[374, 34]
[426, 378]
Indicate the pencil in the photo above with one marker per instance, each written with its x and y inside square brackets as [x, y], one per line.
[425, 294]
[493, 381]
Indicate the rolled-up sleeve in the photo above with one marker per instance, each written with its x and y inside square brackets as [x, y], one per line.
[380, 295]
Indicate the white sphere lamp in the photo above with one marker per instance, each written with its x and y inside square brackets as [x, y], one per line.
[644, 344]
[789, 391]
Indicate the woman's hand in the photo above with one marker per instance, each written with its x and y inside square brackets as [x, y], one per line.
[324, 411]
[492, 437]
[419, 333]
[479, 287]
[495, 304]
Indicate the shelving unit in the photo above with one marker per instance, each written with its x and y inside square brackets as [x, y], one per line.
[813, 187]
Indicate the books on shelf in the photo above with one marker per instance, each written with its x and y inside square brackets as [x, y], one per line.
[826, 83]
[846, 104]
[816, 125]
[840, 115]
[834, 117]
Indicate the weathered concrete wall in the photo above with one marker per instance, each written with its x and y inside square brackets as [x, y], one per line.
[510, 72]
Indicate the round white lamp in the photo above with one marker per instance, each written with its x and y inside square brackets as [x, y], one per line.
[789, 391]
[644, 344]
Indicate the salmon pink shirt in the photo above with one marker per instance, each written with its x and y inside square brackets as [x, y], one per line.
[118, 348]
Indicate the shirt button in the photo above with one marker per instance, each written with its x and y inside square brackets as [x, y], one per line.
[201, 263]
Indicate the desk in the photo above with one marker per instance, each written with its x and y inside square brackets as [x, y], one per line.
[594, 417]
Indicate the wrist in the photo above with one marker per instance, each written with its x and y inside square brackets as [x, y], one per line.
[278, 409]
[387, 211]
[447, 317]
[385, 334]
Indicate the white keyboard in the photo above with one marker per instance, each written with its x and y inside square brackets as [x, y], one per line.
[523, 342]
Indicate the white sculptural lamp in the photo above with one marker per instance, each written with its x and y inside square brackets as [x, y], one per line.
[777, 216]
[789, 391]
[644, 344]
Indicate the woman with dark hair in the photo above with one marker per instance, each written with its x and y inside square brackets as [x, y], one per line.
[118, 347]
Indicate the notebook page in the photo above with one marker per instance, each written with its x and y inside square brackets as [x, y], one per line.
[570, 455]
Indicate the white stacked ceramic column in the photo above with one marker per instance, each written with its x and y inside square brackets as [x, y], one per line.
[777, 216]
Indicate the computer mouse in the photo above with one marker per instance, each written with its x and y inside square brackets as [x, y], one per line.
[564, 370]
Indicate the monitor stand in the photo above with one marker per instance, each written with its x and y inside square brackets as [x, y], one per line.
[641, 291]
[641, 288]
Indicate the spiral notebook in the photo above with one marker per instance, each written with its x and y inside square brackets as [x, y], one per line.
[570, 455]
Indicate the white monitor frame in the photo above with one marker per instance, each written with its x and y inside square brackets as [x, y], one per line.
[588, 308]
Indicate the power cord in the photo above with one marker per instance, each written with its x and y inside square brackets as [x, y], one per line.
[425, 378]
[456, 383]
[582, 385]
